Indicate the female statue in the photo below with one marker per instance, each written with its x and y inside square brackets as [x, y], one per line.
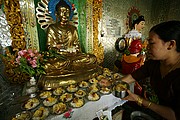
[135, 32]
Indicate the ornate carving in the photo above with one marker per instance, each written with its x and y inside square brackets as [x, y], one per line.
[13, 16]
[98, 49]
[89, 25]
[27, 8]
[14, 20]
[133, 14]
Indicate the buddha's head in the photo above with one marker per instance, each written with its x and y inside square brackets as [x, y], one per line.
[60, 10]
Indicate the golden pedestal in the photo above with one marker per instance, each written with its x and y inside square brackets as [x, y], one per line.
[51, 82]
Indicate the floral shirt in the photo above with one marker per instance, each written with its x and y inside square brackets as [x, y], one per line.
[167, 88]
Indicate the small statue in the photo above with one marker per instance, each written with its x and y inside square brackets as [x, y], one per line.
[134, 60]
[132, 55]
[62, 37]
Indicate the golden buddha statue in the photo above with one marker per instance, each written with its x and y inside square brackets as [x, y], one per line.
[62, 37]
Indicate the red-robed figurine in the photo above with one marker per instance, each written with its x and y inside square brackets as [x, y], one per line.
[133, 61]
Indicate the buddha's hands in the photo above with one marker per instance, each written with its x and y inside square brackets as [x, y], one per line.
[71, 50]
[58, 46]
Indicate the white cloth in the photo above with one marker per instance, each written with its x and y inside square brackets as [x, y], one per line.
[88, 111]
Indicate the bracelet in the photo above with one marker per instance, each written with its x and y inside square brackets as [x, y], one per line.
[149, 105]
[139, 101]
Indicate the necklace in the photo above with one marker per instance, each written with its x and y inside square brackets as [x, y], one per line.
[171, 68]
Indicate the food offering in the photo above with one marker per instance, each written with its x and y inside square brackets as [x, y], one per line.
[104, 82]
[77, 102]
[100, 77]
[40, 114]
[31, 104]
[59, 108]
[116, 76]
[45, 94]
[72, 88]
[24, 115]
[50, 101]
[107, 72]
[83, 84]
[105, 90]
[93, 96]
[80, 93]
[66, 97]
[119, 89]
[94, 88]
[93, 81]
[58, 91]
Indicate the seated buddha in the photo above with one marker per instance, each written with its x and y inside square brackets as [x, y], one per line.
[62, 37]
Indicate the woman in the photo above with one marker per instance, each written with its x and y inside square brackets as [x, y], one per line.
[163, 68]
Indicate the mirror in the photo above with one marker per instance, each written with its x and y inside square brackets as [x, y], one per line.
[120, 44]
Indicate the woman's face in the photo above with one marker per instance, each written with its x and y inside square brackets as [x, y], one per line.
[157, 48]
[63, 14]
[140, 26]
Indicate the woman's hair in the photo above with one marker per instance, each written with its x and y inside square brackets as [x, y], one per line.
[137, 21]
[167, 31]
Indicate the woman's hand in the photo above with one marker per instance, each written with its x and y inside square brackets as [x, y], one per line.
[128, 78]
[131, 96]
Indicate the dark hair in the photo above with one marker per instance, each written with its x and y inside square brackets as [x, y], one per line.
[167, 31]
[138, 20]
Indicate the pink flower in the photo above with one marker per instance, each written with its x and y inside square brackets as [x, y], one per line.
[30, 51]
[33, 63]
[35, 58]
[31, 54]
[68, 114]
[18, 59]
[21, 53]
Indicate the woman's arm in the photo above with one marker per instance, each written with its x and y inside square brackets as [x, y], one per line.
[128, 78]
[163, 111]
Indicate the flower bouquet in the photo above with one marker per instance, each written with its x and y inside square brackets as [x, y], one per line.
[30, 62]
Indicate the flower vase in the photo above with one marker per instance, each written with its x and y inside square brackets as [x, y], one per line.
[31, 87]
